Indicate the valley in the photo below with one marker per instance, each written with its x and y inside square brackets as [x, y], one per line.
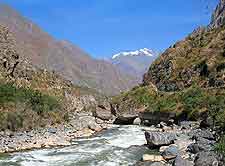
[59, 106]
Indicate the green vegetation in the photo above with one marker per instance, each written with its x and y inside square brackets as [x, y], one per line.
[192, 102]
[22, 108]
[36, 100]
[220, 146]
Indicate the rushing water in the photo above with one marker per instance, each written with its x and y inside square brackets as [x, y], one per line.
[106, 149]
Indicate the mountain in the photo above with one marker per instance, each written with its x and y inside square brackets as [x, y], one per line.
[187, 82]
[62, 57]
[134, 62]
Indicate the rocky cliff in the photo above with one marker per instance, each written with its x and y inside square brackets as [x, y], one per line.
[218, 17]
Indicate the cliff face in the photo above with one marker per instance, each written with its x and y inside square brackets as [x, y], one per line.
[218, 17]
[71, 62]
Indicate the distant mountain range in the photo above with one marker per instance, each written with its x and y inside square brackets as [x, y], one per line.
[68, 60]
[134, 62]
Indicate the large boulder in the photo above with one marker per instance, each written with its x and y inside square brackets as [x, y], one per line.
[157, 139]
[152, 118]
[103, 113]
[170, 153]
[206, 159]
[195, 134]
[195, 148]
[179, 161]
[201, 144]
[125, 119]
[81, 121]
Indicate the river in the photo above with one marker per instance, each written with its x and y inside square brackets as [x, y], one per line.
[109, 148]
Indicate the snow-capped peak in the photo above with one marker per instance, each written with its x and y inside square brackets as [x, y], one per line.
[140, 52]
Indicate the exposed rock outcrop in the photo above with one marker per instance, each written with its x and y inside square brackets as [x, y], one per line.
[218, 17]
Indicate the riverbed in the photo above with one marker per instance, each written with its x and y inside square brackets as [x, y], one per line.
[108, 148]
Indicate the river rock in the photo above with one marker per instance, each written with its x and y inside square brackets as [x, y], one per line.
[201, 144]
[52, 130]
[195, 148]
[137, 150]
[137, 121]
[206, 159]
[195, 134]
[95, 127]
[125, 119]
[189, 125]
[157, 164]
[208, 122]
[153, 158]
[152, 118]
[157, 139]
[149, 163]
[179, 161]
[170, 153]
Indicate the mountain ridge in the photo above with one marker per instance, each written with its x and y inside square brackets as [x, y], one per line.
[71, 62]
[134, 62]
[140, 52]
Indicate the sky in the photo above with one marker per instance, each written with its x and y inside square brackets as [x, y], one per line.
[105, 27]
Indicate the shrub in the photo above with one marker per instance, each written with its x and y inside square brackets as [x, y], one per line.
[220, 146]
[193, 98]
[36, 100]
[26, 108]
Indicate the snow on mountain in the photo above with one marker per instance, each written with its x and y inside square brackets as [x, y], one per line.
[140, 52]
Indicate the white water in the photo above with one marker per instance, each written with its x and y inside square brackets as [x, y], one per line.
[106, 149]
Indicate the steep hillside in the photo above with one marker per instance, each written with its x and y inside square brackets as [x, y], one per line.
[197, 59]
[134, 62]
[68, 60]
[187, 79]
[31, 97]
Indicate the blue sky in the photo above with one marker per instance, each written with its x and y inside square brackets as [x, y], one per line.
[105, 27]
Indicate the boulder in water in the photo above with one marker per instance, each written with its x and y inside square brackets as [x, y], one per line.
[137, 121]
[125, 119]
[157, 139]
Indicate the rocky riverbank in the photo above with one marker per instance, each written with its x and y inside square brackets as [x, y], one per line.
[83, 124]
[183, 145]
